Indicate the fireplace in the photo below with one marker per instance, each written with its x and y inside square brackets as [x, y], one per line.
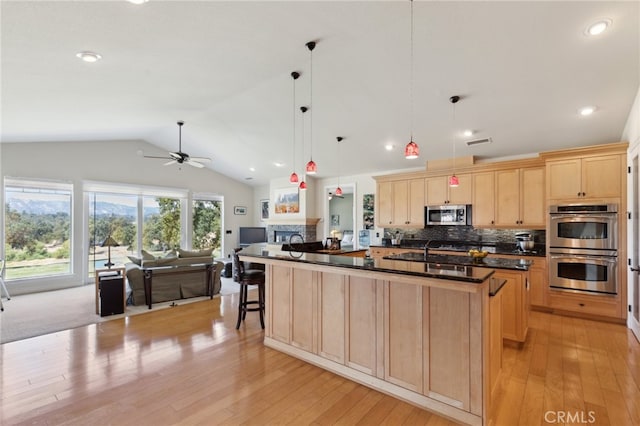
[281, 233]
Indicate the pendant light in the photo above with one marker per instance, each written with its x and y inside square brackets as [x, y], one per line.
[293, 179]
[303, 184]
[311, 167]
[453, 180]
[412, 150]
[338, 189]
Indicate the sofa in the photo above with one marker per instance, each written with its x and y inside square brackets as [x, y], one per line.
[188, 280]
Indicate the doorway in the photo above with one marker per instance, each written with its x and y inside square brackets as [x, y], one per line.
[633, 238]
[340, 214]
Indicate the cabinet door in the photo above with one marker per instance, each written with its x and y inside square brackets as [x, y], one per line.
[403, 335]
[436, 190]
[514, 305]
[331, 317]
[564, 178]
[416, 203]
[461, 194]
[362, 340]
[384, 201]
[303, 311]
[508, 197]
[400, 197]
[601, 176]
[538, 282]
[533, 212]
[483, 199]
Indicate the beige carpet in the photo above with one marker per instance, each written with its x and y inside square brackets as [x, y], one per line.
[36, 314]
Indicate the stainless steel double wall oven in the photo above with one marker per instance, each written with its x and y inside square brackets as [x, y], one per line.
[583, 248]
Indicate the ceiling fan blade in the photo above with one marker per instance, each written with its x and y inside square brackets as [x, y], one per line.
[201, 159]
[194, 163]
[153, 156]
[176, 155]
[168, 163]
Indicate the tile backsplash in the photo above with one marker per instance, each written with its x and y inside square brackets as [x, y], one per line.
[466, 234]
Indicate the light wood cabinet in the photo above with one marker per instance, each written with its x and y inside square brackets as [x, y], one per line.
[515, 305]
[484, 204]
[589, 305]
[520, 200]
[585, 178]
[438, 191]
[538, 281]
[400, 203]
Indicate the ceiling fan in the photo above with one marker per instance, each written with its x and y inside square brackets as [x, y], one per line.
[180, 157]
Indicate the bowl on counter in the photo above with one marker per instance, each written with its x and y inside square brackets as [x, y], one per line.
[478, 254]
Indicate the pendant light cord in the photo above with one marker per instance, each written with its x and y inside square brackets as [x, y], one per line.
[453, 138]
[411, 77]
[293, 116]
[311, 104]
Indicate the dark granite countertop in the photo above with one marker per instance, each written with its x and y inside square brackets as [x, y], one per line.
[539, 249]
[486, 262]
[465, 273]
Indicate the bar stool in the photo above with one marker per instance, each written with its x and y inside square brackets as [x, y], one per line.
[3, 287]
[246, 277]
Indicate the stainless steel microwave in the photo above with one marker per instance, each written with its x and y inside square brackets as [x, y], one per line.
[447, 215]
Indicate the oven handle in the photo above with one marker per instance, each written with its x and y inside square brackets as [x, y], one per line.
[582, 216]
[579, 257]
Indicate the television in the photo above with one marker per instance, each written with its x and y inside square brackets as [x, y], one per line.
[249, 235]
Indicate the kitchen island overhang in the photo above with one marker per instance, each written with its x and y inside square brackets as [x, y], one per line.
[420, 333]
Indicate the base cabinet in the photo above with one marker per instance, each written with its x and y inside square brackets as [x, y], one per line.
[515, 305]
[427, 345]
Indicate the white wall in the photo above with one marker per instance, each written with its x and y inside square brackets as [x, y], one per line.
[631, 131]
[118, 162]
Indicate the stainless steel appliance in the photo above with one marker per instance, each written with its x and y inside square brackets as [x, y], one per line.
[524, 241]
[447, 215]
[583, 248]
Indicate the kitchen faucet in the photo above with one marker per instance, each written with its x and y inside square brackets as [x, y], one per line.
[426, 249]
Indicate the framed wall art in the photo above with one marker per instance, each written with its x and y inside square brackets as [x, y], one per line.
[239, 210]
[286, 200]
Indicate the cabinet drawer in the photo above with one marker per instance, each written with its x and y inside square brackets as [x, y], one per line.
[594, 305]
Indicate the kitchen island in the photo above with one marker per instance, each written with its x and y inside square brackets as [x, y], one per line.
[419, 331]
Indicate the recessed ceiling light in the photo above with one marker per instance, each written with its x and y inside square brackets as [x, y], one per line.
[389, 147]
[467, 133]
[137, 1]
[252, 169]
[278, 164]
[88, 56]
[598, 27]
[588, 110]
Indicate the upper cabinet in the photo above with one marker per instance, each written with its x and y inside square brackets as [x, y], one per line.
[438, 191]
[585, 178]
[484, 202]
[520, 200]
[400, 203]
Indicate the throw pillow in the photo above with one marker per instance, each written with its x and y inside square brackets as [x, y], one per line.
[147, 256]
[196, 253]
[136, 260]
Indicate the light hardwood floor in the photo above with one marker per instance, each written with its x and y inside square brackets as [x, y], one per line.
[188, 365]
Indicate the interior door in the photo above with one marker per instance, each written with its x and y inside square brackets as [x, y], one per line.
[633, 277]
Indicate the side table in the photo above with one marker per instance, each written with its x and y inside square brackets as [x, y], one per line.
[119, 272]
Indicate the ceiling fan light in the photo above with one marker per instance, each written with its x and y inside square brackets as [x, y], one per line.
[312, 169]
[338, 191]
[303, 185]
[411, 151]
[453, 181]
[88, 56]
[293, 179]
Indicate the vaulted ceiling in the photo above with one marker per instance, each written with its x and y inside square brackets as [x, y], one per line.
[523, 70]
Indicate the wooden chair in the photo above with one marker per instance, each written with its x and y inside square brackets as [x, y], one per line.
[246, 277]
[3, 287]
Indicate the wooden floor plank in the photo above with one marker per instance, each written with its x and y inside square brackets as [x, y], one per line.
[189, 365]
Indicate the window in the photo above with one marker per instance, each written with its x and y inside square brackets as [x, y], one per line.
[112, 215]
[146, 218]
[207, 224]
[37, 228]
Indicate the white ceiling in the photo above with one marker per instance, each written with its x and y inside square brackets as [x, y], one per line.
[523, 70]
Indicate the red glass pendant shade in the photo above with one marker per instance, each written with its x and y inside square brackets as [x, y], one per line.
[303, 185]
[338, 191]
[293, 179]
[453, 181]
[311, 167]
[411, 151]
